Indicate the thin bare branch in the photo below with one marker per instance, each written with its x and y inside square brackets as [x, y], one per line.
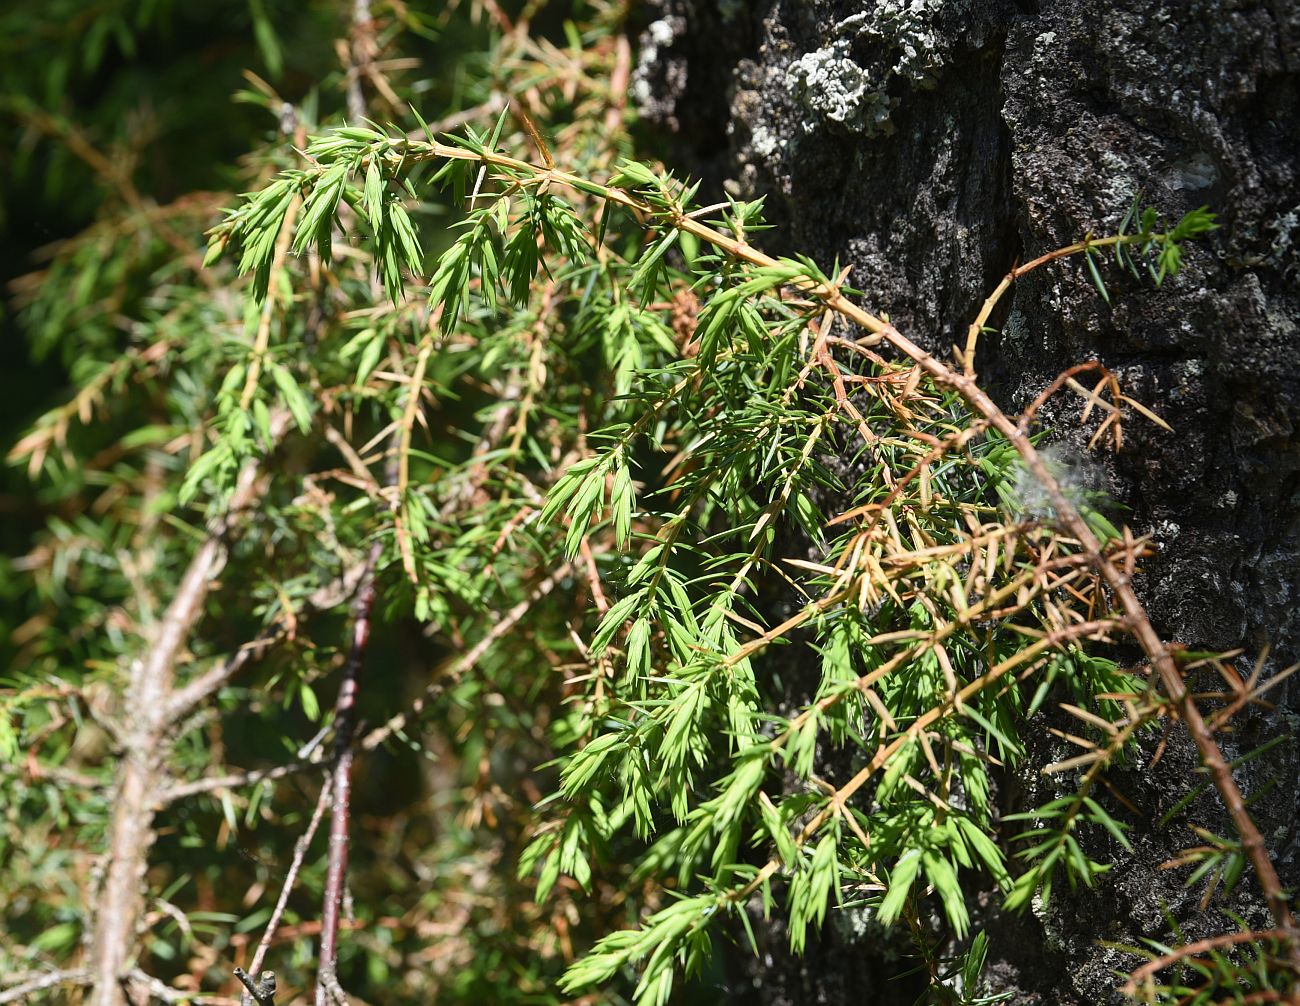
[148, 734]
[238, 780]
[193, 693]
[24, 990]
[290, 878]
[162, 992]
[453, 672]
[1149, 970]
[341, 779]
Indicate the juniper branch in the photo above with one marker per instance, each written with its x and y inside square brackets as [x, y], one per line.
[148, 734]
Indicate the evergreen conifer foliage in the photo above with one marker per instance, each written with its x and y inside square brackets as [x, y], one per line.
[674, 578]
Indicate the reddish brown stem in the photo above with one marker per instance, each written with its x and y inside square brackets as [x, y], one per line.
[1147, 971]
[1031, 413]
[1139, 625]
[341, 781]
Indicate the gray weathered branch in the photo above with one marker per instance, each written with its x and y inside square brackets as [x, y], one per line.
[147, 734]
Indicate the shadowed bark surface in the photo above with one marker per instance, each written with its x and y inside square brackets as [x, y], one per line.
[931, 146]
